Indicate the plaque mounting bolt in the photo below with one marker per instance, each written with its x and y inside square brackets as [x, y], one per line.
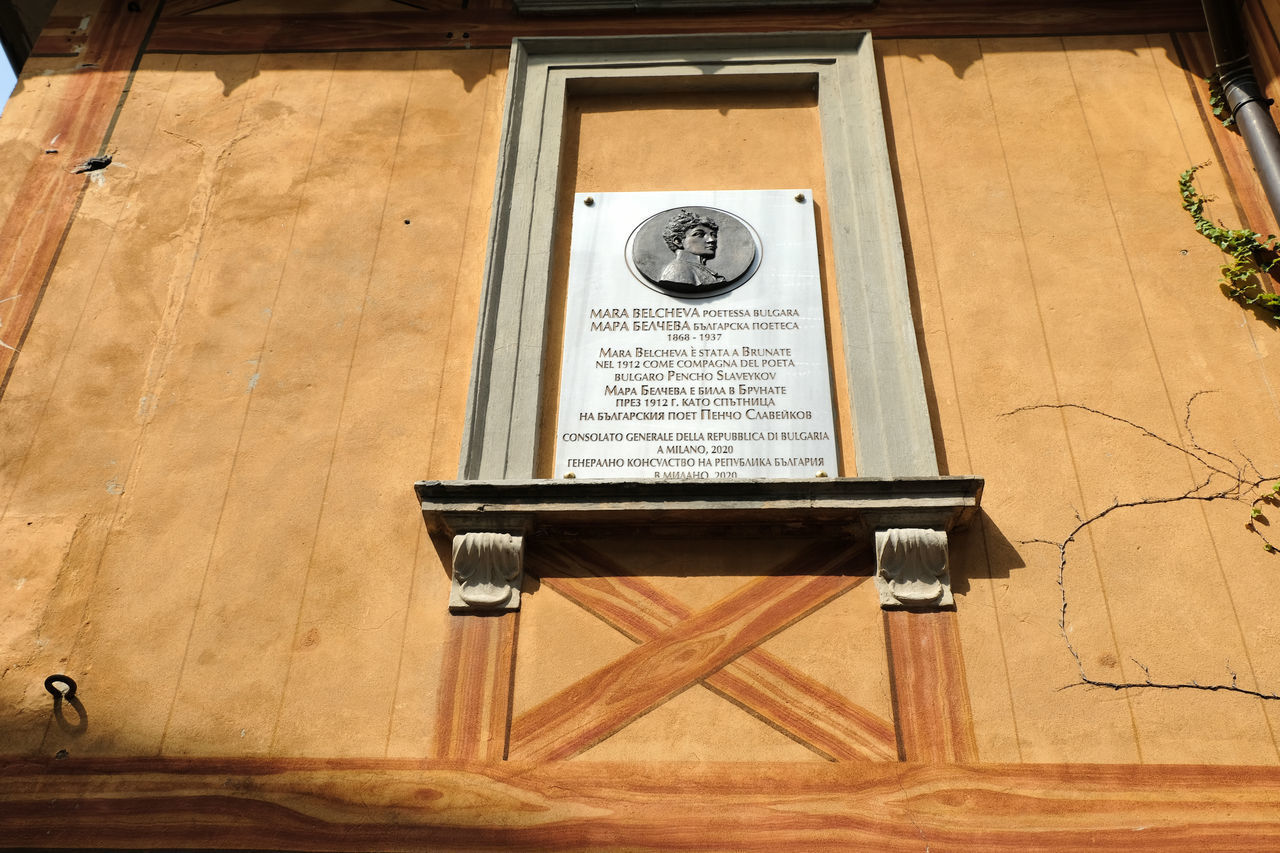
[800, 198]
[588, 201]
[569, 475]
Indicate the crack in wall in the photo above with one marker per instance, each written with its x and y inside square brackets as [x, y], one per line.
[1224, 479]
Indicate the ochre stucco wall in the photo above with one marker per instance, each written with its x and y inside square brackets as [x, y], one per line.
[243, 360]
[1053, 264]
[245, 357]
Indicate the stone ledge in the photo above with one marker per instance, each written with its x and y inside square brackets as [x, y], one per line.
[846, 505]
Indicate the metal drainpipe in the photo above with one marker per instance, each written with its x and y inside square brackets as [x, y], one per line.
[1245, 98]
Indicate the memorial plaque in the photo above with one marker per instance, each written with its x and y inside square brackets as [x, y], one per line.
[695, 345]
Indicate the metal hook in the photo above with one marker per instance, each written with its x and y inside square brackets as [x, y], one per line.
[56, 692]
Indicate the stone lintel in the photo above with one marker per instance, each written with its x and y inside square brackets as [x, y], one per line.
[488, 520]
[844, 505]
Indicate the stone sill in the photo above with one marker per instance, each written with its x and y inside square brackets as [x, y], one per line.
[838, 505]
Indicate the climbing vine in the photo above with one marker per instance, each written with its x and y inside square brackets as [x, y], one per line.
[1251, 257]
[1218, 102]
[1218, 478]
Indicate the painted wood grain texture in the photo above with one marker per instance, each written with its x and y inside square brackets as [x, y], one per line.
[1261, 17]
[173, 8]
[480, 27]
[33, 229]
[594, 707]
[1264, 47]
[1247, 192]
[475, 691]
[62, 35]
[930, 695]
[396, 805]
[436, 5]
[759, 682]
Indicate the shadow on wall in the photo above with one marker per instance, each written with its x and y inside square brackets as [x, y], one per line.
[469, 74]
[963, 54]
[232, 72]
[63, 690]
[980, 552]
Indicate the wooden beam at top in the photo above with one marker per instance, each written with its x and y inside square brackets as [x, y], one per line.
[187, 7]
[434, 5]
[63, 35]
[176, 8]
[494, 28]
[374, 804]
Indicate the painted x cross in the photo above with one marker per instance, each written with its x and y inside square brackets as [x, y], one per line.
[716, 647]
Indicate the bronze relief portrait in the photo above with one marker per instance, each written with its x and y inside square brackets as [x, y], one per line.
[693, 252]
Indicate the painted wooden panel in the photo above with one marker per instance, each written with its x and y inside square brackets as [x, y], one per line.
[818, 717]
[475, 687]
[931, 694]
[63, 35]
[605, 701]
[380, 805]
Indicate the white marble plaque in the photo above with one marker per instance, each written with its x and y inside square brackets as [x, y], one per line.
[695, 345]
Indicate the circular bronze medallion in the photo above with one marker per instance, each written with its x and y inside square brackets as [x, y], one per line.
[693, 252]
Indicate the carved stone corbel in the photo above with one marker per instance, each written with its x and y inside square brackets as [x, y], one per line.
[487, 571]
[911, 568]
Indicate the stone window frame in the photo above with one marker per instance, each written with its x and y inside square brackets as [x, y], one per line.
[893, 436]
